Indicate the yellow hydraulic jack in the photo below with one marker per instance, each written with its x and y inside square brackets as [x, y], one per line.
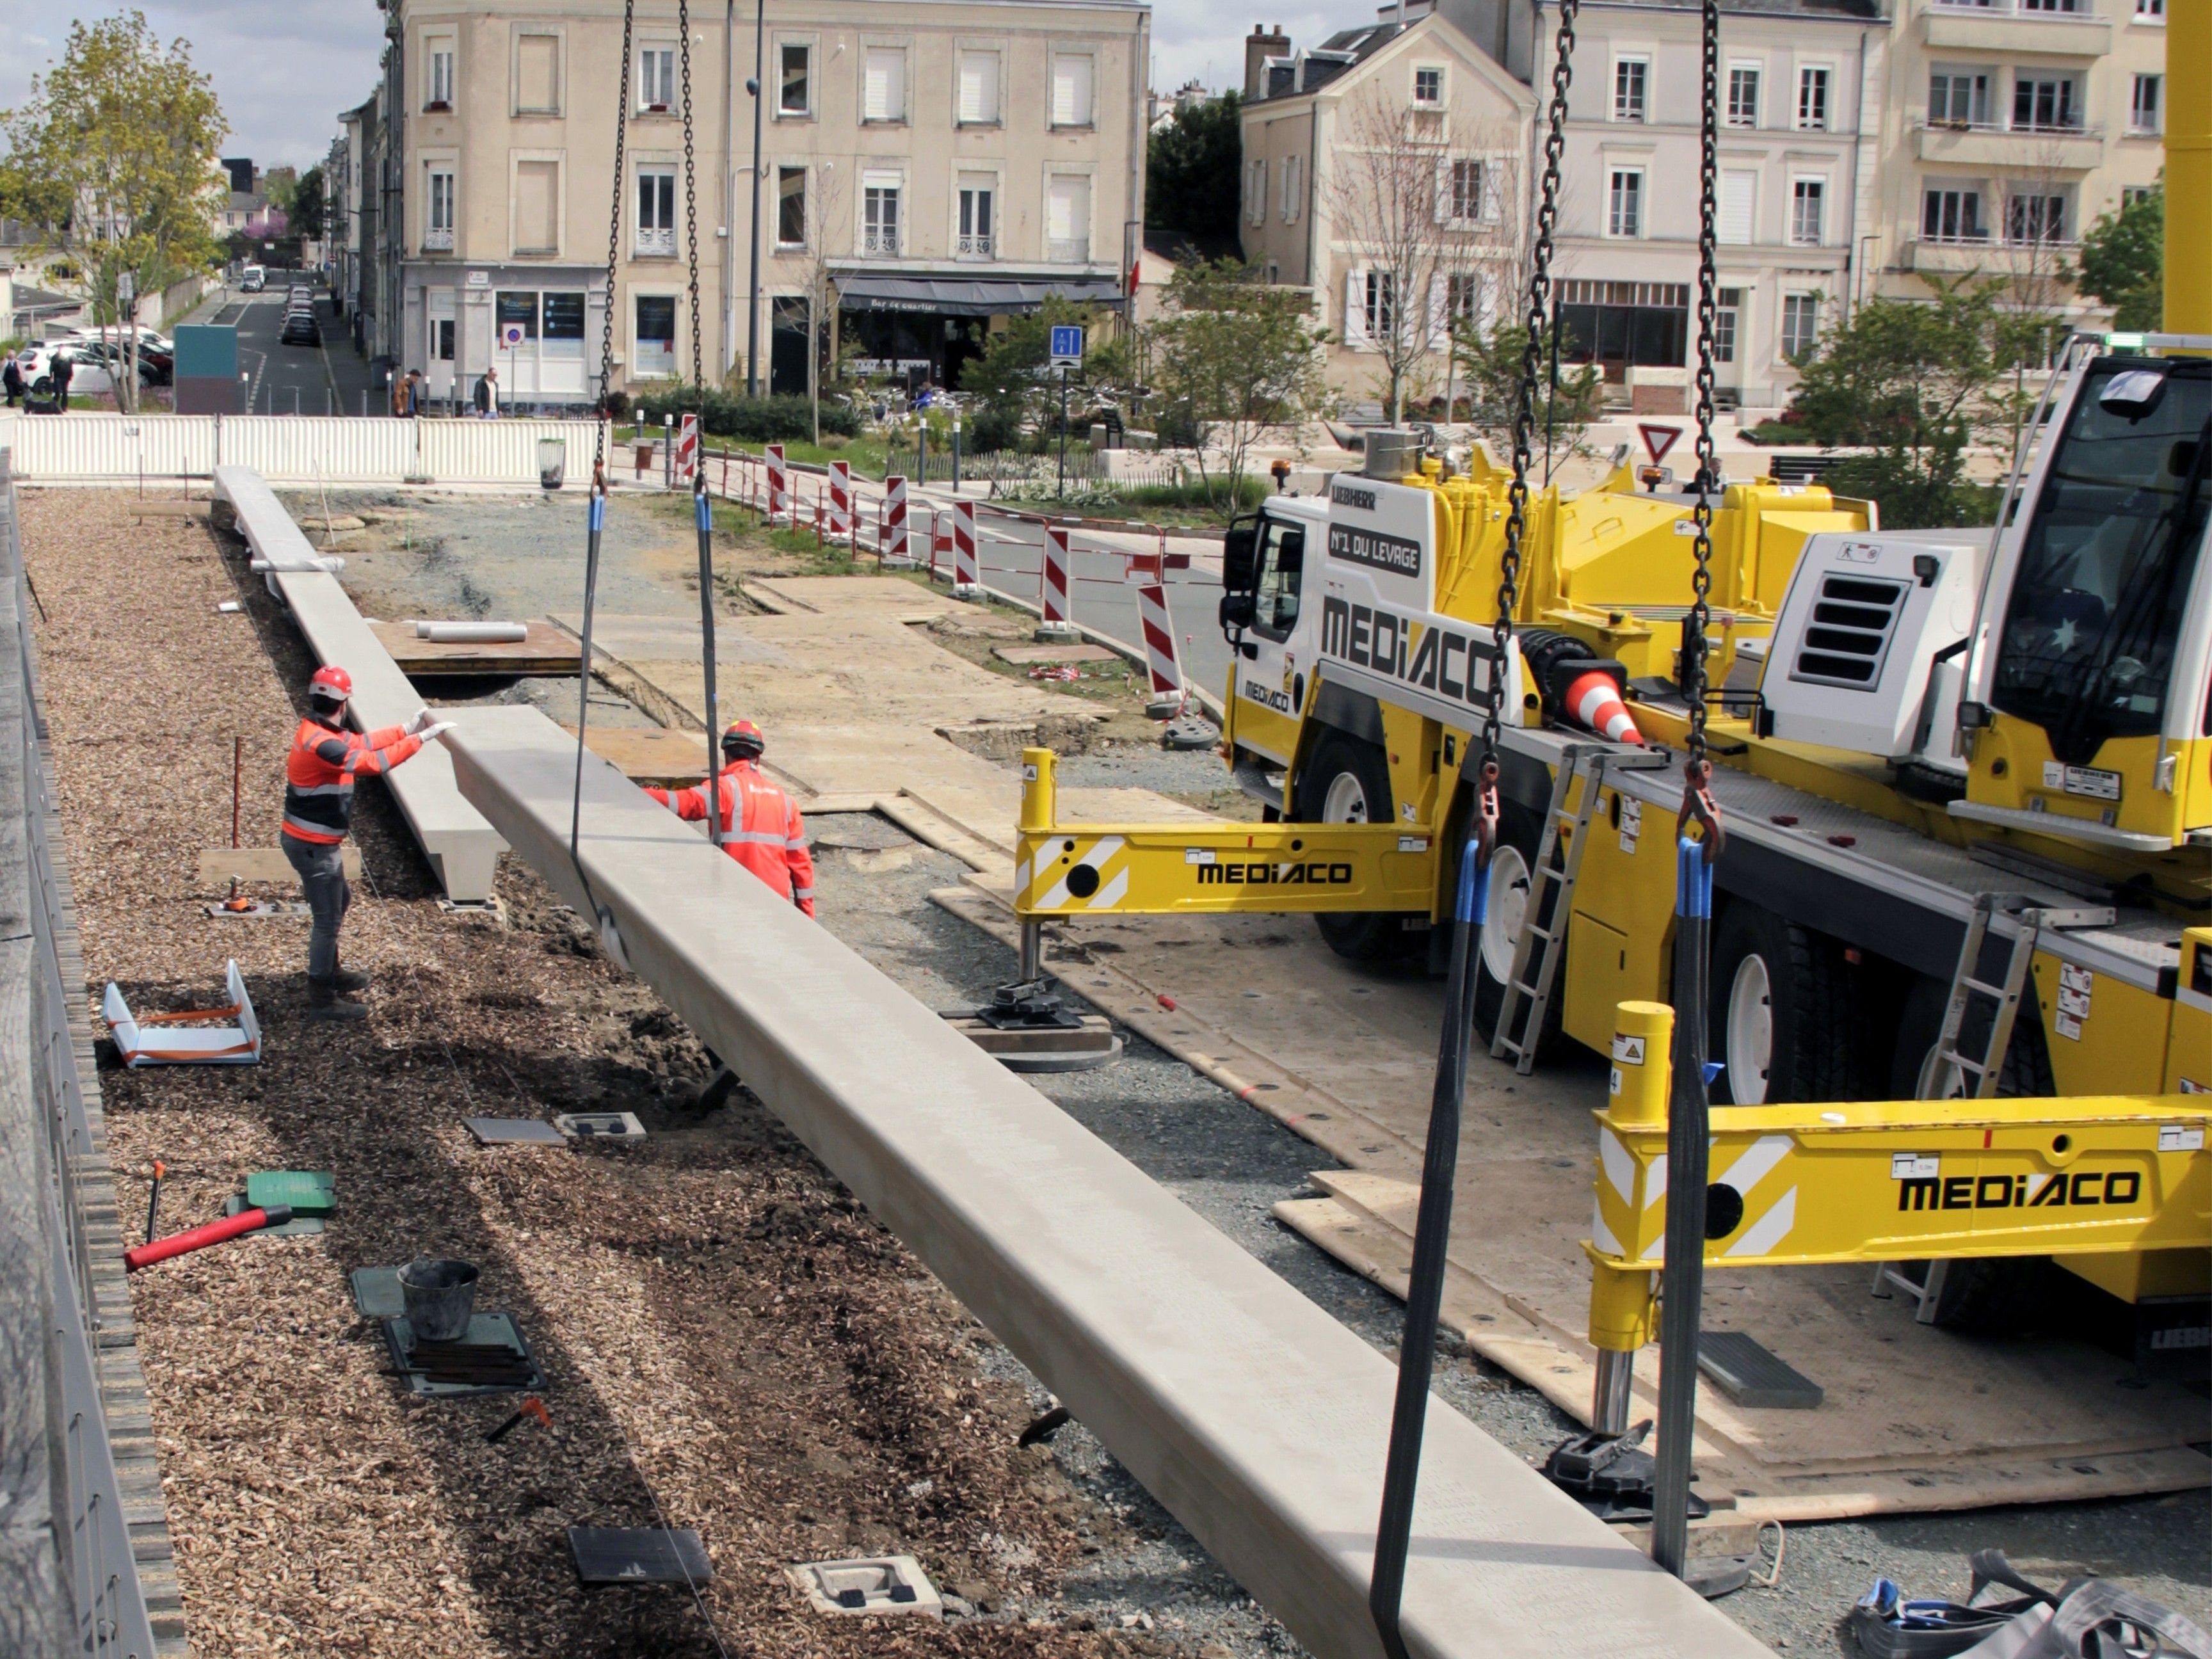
[1878, 1182]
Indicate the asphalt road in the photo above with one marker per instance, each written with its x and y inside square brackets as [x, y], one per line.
[295, 379]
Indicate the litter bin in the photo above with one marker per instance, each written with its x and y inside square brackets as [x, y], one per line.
[552, 461]
[439, 1297]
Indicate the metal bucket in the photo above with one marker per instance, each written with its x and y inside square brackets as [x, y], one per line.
[552, 461]
[439, 1296]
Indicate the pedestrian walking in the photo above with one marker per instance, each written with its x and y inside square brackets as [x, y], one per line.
[11, 378]
[486, 395]
[319, 775]
[761, 826]
[64, 371]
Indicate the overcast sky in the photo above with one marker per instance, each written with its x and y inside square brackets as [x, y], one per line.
[283, 68]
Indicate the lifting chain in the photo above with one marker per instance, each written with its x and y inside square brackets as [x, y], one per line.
[1697, 770]
[614, 255]
[1524, 430]
[691, 223]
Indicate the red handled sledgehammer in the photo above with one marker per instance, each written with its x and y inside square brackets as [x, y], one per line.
[198, 1238]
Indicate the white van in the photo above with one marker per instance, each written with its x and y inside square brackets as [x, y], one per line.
[253, 279]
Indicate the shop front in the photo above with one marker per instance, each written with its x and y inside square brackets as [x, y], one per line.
[922, 330]
[532, 324]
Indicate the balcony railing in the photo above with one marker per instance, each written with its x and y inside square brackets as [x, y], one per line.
[2011, 129]
[656, 243]
[1068, 250]
[439, 239]
[977, 247]
[2083, 14]
[1994, 240]
[884, 244]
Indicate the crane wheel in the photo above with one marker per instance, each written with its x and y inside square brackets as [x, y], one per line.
[1780, 1010]
[1348, 781]
[1520, 834]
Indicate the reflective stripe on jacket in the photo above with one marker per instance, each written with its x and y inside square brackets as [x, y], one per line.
[765, 833]
[319, 775]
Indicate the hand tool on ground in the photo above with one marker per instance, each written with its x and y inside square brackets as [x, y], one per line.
[198, 1238]
[154, 1200]
[533, 1406]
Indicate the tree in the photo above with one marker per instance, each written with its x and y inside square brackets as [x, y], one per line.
[308, 203]
[1234, 355]
[1428, 234]
[1915, 382]
[1492, 359]
[1013, 381]
[112, 163]
[2122, 258]
[1191, 174]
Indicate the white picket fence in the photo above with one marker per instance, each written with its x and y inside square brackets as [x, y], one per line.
[288, 449]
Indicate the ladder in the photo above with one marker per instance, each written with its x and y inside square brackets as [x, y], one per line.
[1532, 989]
[1953, 1064]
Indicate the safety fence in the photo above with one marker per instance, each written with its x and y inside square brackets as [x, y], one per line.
[295, 450]
[69, 1573]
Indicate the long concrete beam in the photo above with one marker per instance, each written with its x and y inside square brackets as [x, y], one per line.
[1253, 1416]
[462, 848]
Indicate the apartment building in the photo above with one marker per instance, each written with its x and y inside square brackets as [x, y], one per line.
[1386, 170]
[923, 169]
[2011, 125]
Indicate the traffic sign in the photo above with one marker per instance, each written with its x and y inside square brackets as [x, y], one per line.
[1066, 346]
[510, 335]
[1658, 439]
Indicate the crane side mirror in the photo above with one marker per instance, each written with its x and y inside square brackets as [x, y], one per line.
[1237, 609]
[2132, 393]
[1240, 559]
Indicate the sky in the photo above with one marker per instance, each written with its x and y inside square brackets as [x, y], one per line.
[283, 68]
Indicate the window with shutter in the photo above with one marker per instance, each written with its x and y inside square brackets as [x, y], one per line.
[979, 88]
[1355, 308]
[884, 85]
[1293, 189]
[537, 186]
[1255, 190]
[1739, 205]
[1067, 221]
[537, 73]
[1071, 90]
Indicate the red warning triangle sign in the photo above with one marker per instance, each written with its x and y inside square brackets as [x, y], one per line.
[1658, 439]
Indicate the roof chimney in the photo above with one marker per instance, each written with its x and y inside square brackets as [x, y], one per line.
[1259, 46]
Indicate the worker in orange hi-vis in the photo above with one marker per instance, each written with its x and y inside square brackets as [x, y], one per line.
[761, 826]
[319, 774]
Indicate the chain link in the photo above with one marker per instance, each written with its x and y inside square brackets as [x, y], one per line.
[1532, 368]
[691, 216]
[614, 256]
[1697, 770]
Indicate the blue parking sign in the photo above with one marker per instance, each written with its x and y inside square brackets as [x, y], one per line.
[1066, 346]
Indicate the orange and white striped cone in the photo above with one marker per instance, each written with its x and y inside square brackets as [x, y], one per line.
[1594, 701]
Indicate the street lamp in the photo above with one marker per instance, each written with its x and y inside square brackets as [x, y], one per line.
[753, 295]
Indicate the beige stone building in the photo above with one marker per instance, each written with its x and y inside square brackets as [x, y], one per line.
[933, 166]
[2009, 127]
[1385, 170]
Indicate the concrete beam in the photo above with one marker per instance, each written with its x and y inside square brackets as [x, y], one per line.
[462, 848]
[1253, 1416]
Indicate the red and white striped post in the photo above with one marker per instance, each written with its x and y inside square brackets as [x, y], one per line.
[780, 503]
[840, 499]
[1161, 661]
[895, 525]
[687, 449]
[940, 540]
[965, 582]
[1056, 622]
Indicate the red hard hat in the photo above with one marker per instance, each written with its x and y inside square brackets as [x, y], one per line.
[332, 683]
[743, 737]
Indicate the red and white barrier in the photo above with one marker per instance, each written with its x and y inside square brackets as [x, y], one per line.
[779, 487]
[963, 548]
[895, 525]
[687, 449]
[840, 499]
[1055, 618]
[1161, 661]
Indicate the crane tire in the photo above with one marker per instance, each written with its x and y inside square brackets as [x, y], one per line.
[1348, 781]
[1766, 971]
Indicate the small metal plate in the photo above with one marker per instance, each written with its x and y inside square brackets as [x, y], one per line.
[640, 1555]
[495, 1331]
[1747, 1374]
[514, 1131]
[376, 1292]
[599, 1125]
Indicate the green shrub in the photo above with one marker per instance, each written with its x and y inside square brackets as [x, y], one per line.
[750, 420]
[994, 427]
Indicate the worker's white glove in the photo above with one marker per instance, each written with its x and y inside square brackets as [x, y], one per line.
[421, 723]
[432, 732]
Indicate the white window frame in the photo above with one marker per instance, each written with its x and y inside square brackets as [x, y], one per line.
[663, 242]
[1255, 190]
[1089, 175]
[2150, 11]
[809, 44]
[1971, 73]
[1756, 69]
[1728, 323]
[1448, 201]
[1443, 82]
[440, 59]
[1641, 63]
[559, 36]
[1956, 195]
[515, 160]
[1089, 56]
[995, 59]
[904, 99]
[2073, 102]
[2137, 127]
[1293, 188]
[1827, 83]
[650, 54]
[779, 167]
[1614, 173]
[1798, 183]
[1799, 297]
[435, 168]
[881, 179]
[993, 182]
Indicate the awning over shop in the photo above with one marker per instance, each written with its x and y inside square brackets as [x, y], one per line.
[969, 297]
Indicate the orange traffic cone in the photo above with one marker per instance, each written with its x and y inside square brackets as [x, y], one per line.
[1594, 701]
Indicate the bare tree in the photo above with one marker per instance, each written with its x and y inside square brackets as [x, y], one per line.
[2033, 240]
[821, 213]
[1428, 234]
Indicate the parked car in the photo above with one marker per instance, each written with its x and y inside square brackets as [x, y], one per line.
[252, 279]
[300, 328]
[157, 353]
[89, 377]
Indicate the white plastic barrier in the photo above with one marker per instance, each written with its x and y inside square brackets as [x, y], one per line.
[287, 449]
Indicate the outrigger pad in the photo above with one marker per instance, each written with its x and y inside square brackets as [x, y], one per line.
[175, 1044]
